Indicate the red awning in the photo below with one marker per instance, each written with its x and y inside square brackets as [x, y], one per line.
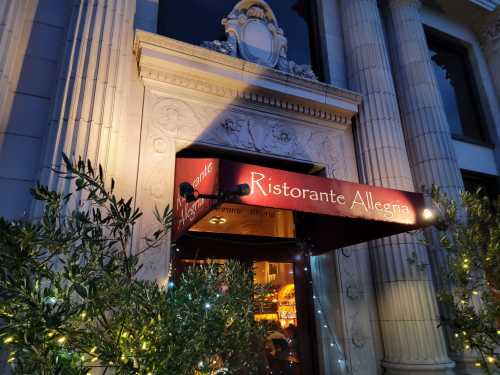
[331, 213]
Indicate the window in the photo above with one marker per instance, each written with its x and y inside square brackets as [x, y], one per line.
[488, 183]
[455, 81]
[196, 21]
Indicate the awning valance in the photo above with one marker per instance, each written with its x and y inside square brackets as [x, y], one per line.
[332, 213]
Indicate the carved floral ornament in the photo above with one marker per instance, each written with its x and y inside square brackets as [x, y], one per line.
[254, 35]
[490, 32]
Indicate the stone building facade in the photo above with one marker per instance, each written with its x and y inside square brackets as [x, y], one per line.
[402, 93]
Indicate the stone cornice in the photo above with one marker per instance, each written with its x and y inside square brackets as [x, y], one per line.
[191, 67]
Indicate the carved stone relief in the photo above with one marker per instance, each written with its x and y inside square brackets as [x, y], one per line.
[248, 130]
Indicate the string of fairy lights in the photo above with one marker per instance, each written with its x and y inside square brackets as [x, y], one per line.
[320, 311]
[92, 357]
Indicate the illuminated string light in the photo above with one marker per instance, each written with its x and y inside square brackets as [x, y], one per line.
[8, 340]
[323, 316]
[490, 359]
[61, 340]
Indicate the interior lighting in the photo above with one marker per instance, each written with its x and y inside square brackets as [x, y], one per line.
[217, 220]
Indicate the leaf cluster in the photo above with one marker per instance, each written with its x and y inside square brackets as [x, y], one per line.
[470, 235]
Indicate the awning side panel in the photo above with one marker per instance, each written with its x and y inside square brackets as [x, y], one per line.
[203, 175]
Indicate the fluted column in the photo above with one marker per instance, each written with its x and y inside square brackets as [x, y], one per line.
[427, 133]
[88, 101]
[490, 41]
[12, 13]
[428, 137]
[405, 295]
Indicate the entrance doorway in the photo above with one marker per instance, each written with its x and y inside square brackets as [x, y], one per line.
[291, 346]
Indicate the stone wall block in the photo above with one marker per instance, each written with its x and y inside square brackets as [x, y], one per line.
[11, 25]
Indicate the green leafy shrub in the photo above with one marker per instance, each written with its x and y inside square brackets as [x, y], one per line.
[470, 236]
[70, 299]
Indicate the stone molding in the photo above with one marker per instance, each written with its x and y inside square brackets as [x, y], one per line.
[196, 68]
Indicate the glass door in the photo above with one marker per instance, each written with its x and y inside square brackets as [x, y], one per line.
[289, 345]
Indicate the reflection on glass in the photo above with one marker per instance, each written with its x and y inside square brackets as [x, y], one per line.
[450, 101]
[456, 86]
[279, 309]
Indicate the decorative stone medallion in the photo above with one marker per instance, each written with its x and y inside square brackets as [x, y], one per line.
[254, 35]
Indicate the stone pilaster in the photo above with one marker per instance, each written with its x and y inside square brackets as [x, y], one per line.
[88, 101]
[405, 295]
[490, 41]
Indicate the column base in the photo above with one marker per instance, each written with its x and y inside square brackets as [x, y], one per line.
[419, 368]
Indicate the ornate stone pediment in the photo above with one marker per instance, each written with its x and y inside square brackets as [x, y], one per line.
[254, 35]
